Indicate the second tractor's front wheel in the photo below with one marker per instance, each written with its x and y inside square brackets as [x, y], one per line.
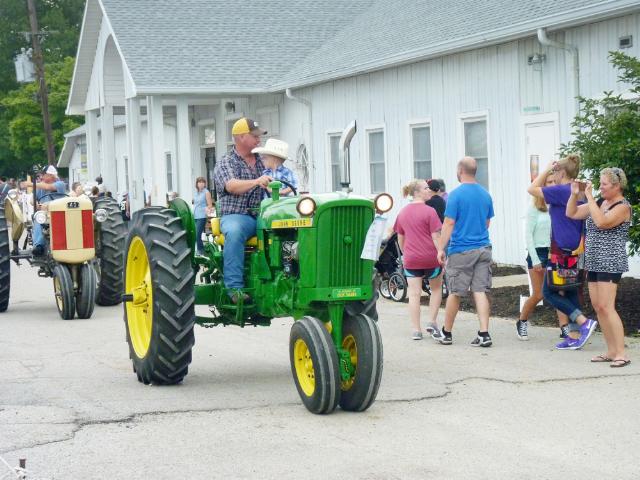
[362, 339]
[159, 313]
[64, 292]
[314, 365]
[86, 296]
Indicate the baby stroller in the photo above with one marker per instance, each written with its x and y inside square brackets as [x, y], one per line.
[393, 283]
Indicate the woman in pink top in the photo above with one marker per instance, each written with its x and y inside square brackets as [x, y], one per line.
[418, 228]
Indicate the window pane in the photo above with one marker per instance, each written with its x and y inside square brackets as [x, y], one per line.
[475, 138]
[421, 144]
[377, 177]
[482, 175]
[376, 147]
[334, 144]
[422, 170]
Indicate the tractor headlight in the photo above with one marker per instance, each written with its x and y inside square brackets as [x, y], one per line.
[306, 206]
[383, 203]
[101, 215]
[12, 194]
[40, 217]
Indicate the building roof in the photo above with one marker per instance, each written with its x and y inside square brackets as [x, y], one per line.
[393, 32]
[217, 47]
[222, 46]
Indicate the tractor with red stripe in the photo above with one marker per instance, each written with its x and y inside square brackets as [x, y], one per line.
[85, 239]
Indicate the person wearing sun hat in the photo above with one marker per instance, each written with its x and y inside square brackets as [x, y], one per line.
[240, 182]
[273, 155]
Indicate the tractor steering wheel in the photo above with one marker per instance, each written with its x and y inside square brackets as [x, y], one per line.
[287, 184]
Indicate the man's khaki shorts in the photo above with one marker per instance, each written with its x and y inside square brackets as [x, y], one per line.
[470, 270]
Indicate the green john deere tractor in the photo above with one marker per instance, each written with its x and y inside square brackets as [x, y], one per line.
[304, 262]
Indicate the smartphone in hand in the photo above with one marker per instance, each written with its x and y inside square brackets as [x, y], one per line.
[581, 186]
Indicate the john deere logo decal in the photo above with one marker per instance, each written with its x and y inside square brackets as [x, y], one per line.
[346, 292]
[292, 223]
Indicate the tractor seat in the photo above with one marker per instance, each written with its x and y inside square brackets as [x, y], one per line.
[218, 236]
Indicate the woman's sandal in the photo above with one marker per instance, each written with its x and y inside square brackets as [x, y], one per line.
[619, 362]
[601, 359]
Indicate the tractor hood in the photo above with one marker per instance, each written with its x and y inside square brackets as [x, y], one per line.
[285, 208]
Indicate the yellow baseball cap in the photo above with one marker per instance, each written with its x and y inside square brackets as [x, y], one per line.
[246, 125]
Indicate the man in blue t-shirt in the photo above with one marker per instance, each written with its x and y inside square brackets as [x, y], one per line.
[466, 230]
[50, 184]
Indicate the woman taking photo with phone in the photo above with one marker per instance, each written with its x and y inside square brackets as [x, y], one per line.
[566, 235]
[607, 222]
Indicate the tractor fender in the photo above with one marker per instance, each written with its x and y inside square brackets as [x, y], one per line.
[184, 213]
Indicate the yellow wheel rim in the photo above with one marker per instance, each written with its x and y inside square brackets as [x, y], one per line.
[349, 344]
[140, 309]
[304, 367]
[58, 293]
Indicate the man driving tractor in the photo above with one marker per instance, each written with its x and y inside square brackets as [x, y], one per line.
[240, 183]
[50, 183]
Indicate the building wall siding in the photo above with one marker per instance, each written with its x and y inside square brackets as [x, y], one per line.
[496, 80]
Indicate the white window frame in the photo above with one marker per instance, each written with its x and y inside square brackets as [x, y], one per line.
[329, 170]
[470, 117]
[419, 123]
[227, 118]
[375, 129]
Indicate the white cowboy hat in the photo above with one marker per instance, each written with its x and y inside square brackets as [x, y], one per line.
[274, 147]
[51, 170]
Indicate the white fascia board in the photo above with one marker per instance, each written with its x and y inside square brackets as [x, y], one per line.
[65, 155]
[74, 109]
[224, 91]
[581, 16]
[127, 72]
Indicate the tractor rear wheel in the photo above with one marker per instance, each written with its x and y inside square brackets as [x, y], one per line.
[86, 296]
[361, 338]
[63, 289]
[314, 365]
[5, 267]
[159, 278]
[111, 235]
[397, 287]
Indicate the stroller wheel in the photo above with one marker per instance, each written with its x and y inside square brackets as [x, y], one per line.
[383, 288]
[397, 287]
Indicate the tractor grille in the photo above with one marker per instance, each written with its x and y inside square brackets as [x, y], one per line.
[339, 263]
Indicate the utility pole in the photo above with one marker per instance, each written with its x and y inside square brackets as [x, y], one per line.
[44, 98]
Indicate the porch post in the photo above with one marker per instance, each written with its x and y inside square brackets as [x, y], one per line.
[185, 173]
[93, 155]
[108, 165]
[155, 122]
[134, 150]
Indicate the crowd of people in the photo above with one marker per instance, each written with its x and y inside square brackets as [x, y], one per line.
[571, 238]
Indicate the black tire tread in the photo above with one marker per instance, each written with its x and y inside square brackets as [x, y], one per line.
[68, 311]
[5, 266]
[368, 374]
[113, 233]
[172, 337]
[86, 296]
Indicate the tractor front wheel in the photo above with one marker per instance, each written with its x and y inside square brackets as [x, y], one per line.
[159, 313]
[314, 365]
[86, 296]
[64, 291]
[361, 338]
[5, 267]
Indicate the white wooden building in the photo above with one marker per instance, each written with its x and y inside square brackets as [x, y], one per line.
[160, 83]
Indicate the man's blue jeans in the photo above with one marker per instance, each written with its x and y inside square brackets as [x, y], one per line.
[567, 304]
[37, 235]
[237, 229]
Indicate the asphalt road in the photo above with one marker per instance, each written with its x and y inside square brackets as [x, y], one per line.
[71, 405]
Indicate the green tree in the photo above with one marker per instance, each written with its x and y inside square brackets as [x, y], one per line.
[607, 134]
[62, 18]
[27, 142]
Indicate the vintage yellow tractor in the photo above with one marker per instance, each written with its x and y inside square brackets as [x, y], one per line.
[85, 240]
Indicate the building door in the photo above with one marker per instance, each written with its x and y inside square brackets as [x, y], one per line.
[541, 142]
[210, 164]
